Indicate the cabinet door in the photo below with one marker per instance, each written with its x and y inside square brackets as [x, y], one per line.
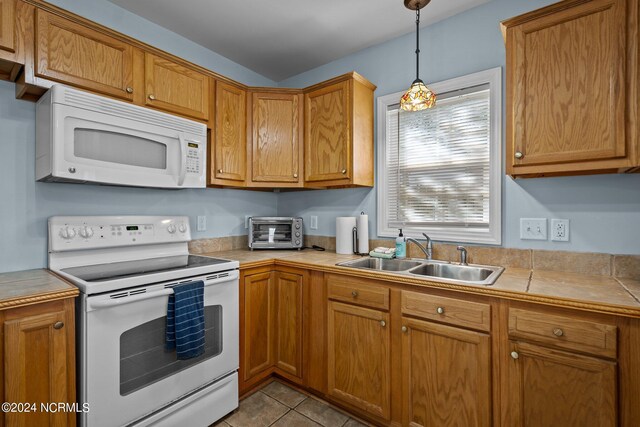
[7, 24]
[276, 140]
[446, 375]
[289, 323]
[567, 82]
[259, 318]
[230, 133]
[327, 133]
[74, 54]
[358, 345]
[36, 366]
[175, 88]
[555, 388]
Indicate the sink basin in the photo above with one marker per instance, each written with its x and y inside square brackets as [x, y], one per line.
[460, 273]
[382, 264]
[442, 270]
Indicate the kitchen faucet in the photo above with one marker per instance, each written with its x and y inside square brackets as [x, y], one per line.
[428, 250]
[463, 255]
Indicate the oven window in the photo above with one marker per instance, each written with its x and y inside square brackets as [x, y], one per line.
[113, 147]
[144, 360]
[272, 233]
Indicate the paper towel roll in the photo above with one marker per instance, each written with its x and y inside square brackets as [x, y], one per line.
[362, 224]
[344, 234]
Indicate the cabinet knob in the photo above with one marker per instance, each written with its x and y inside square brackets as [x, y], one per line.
[58, 325]
[354, 294]
[404, 329]
[152, 97]
[558, 332]
[440, 310]
[129, 90]
[295, 175]
[219, 170]
[519, 155]
[383, 323]
[344, 171]
[514, 354]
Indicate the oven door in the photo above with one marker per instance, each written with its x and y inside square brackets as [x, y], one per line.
[96, 147]
[126, 371]
[271, 234]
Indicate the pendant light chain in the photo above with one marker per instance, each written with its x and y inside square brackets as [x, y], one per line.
[417, 43]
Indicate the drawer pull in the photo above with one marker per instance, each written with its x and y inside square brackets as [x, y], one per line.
[58, 325]
[383, 323]
[404, 329]
[558, 332]
[354, 294]
[514, 354]
[440, 310]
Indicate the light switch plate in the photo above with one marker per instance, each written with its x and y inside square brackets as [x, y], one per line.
[533, 228]
[560, 230]
[202, 223]
[314, 222]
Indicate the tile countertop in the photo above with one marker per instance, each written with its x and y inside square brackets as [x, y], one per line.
[605, 294]
[32, 286]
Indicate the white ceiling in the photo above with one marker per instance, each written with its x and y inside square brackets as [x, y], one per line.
[282, 38]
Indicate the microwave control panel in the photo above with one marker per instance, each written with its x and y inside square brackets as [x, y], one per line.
[194, 157]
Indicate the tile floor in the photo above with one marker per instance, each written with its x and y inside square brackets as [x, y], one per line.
[278, 405]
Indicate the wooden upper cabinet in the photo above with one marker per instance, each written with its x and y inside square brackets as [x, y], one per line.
[276, 151]
[553, 388]
[230, 140]
[7, 25]
[359, 361]
[446, 375]
[288, 347]
[339, 133]
[175, 88]
[572, 76]
[81, 56]
[39, 361]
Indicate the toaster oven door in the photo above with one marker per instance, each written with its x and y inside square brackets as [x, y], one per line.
[272, 235]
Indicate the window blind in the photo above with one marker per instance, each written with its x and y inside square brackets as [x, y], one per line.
[438, 162]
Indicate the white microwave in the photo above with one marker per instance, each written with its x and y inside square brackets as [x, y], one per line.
[86, 138]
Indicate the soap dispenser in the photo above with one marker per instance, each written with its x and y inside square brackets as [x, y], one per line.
[401, 246]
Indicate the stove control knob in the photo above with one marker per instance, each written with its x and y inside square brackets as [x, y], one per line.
[171, 228]
[86, 232]
[67, 233]
[182, 228]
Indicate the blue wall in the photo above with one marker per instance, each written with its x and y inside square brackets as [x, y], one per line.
[25, 204]
[604, 210]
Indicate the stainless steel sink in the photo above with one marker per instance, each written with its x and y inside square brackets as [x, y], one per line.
[443, 271]
[371, 263]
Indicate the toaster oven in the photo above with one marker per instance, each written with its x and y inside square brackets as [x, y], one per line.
[275, 232]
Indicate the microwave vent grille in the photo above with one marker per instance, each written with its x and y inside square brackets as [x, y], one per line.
[132, 112]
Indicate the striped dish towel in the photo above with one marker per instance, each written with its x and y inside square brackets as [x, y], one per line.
[185, 320]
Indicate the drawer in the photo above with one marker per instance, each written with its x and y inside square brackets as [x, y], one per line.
[564, 332]
[453, 311]
[358, 291]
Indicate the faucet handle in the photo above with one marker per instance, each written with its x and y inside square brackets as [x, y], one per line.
[463, 255]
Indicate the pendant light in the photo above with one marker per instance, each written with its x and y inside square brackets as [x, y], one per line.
[418, 96]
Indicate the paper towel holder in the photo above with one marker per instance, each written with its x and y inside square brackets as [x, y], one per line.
[355, 240]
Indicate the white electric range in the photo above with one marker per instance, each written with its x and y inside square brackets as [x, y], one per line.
[125, 268]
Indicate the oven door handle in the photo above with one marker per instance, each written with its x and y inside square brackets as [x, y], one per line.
[125, 300]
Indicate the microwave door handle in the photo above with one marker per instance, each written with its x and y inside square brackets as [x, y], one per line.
[183, 160]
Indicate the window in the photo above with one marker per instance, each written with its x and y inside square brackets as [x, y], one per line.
[440, 170]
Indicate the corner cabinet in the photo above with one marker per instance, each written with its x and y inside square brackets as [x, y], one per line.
[275, 144]
[338, 137]
[572, 88]
[7, 25]
[39, 361]
[229, 165]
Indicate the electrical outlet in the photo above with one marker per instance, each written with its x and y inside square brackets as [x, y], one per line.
[202, 223]
[533, 228]
[314, 222]
[560, 230]
[246, 221]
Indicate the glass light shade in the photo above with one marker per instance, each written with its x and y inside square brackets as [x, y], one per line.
[418, 97]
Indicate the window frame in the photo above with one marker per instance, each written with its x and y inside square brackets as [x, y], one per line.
[492, 235]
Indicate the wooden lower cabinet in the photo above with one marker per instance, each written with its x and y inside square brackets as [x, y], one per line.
[259, 320]
[549, 387]
[446, 375]
[288, 348]
[39, 361]
[359, 357]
